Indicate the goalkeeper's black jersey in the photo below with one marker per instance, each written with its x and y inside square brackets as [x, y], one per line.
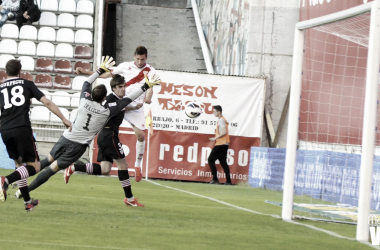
[15, 95]
[115, 121]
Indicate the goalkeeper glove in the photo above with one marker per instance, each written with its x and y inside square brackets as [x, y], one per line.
[150, 82]
[108, 62]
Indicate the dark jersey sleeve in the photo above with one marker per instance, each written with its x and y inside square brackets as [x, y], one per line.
[86, 90]
[35, 92]
[119, 105]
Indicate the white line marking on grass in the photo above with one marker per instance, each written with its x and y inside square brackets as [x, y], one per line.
[271, 215]
[66, 245]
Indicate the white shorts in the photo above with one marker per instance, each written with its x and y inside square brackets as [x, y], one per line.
[135, 117]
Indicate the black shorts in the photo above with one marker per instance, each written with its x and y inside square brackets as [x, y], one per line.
[67, 152]
[109, 146]
[20, 142]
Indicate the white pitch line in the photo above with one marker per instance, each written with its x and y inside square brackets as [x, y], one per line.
[271, 215]
[67, 245]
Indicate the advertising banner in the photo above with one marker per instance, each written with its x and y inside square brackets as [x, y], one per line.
[178, 146]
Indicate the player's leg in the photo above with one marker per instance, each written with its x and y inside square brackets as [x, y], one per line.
[211, 162]
[137, 119]
[20, 143]
[126, 183]
[222, 157]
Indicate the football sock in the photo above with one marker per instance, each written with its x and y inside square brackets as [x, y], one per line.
[89, 168]
[41, 179]
[125, 183]
[140, 149]
[23, 186]
[21, 173]
[45, 163]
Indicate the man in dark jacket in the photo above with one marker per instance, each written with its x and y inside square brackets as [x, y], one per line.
[29, 13]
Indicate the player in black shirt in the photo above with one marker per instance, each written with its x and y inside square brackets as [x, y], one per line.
[16, 130]
[110, 148]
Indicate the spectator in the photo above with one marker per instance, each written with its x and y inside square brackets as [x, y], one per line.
[29, 13]
[8, 11]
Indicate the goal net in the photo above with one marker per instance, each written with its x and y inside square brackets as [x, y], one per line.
[330, 97]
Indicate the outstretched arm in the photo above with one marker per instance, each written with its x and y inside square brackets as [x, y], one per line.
[80, 70]
[53, 108]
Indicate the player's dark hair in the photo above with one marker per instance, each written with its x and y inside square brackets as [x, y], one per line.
[98, 93]
[218, 108]
[141, 50]
[116, 80]
[13, 67]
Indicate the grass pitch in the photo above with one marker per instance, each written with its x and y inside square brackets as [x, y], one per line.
[89, 213]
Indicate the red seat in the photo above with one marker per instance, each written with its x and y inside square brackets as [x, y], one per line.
[43, 81]
[44, 65]
[62, 82]
[26, 75]
[82, 64]
[63, 66]
[3, 76]
[83, 52]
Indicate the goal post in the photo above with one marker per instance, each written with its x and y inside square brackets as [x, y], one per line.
[370, 108]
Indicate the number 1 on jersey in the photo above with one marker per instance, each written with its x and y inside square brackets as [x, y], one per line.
[88, 122]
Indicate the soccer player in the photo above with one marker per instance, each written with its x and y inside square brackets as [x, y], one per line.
[110, 148]
[134, 72]
[219, 152]
[90, 120]
[16, 130]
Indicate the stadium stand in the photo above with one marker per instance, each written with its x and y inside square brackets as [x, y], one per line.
[73, 114]
[82, 64]
[84, 21]
[54, 118]
[66, 20]
[75, 100]
[83, 36]
[83, 52]
[49, 5]
[61, 98]
[78, 82]
[64, 50]
[3, 76]
[67, 6]
[45, 49]
[27, 63]
[4, 59]
[62, 82]
[86, 7]
[46, 34]
[9, 31]
[44, 65]
[26, 48]
[43, 81]
[27, 76]
[65, 35]
[63, 66]
[40, 114]
[48, 19]
[28, 32]
[8, 46]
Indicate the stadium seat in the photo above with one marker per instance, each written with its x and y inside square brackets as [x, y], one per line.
[26, 75]
[46, 34]
[78, 82]
[40, 114]
[75, 99]
[27, 63]
[49, 5]
[26, 48]
[28, 32]
[9, 31]
[83, 52]
[62, 82]
[63, 66]
[43, 81]
[65, 35]
[48, 19]
[44, 65]
[61, 98]
[64, 50]
[82, 64]
[83, 36]
[3, 76]
[65, 113]
[8, 46]
[84, 6]
[84, 21]
[67, 6]
[4, 59]
[45, 49]
[73, 114]
[66, 20]
[47, 95]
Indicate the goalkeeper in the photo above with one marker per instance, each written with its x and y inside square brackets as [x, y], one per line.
[90, 120]
[134, 73]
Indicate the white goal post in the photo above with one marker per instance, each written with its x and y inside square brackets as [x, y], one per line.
[370, 110]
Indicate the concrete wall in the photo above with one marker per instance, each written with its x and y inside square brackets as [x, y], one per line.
[254, 38]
